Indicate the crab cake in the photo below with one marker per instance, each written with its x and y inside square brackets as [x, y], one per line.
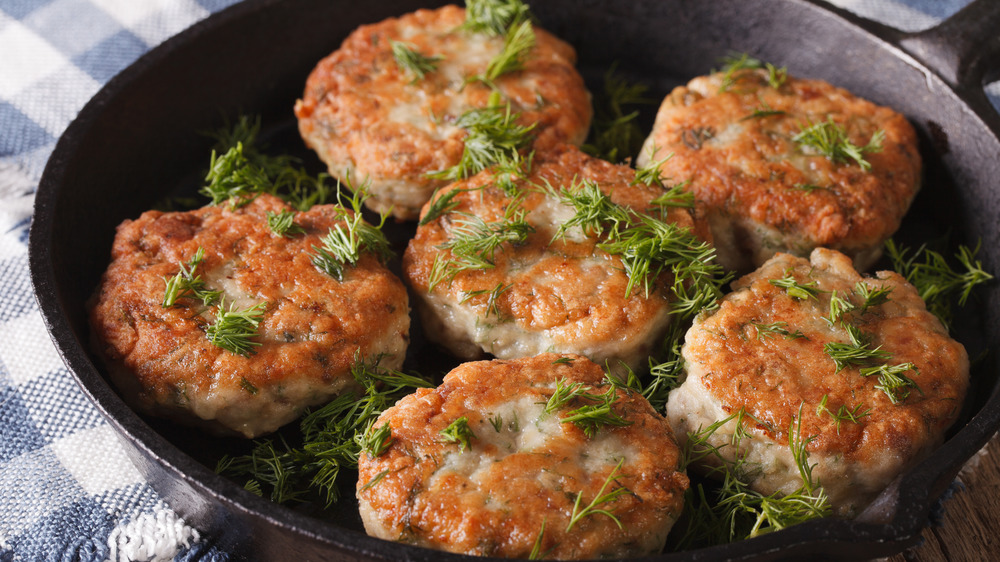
[768, 160]
[509, 274]
[868, 384]
[491, 463]
[311, 327]
[368, 117]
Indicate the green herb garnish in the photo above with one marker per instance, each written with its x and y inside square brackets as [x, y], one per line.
[375, 441]
[332, 439]
[517, 45]
[935, 279]
[873, 296]
[615, 134]
[493, 137]
[795, 289]
[186, 284]
[459, 432]
[283, 223]
[830, 139]
[492, 300]
[344, 244]
[857, 352]
[595, 212]
[494, 17]
[235, 329]
[441, 206]
[843, 413]
[594, 507]
[474, 242]
[766, 331]
[839, 307]
[892, 381]
[409, 60]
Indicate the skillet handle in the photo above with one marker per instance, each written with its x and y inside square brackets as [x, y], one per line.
[963, 49]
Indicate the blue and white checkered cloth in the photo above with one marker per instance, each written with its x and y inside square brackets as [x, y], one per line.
[67, 490]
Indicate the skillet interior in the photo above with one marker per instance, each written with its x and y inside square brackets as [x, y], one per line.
[136, 142]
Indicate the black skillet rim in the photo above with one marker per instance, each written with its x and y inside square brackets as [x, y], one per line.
[150, 448]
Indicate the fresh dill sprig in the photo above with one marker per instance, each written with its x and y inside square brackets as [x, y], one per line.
[736, 512]
[856, 353]
[474, 242]
[441, 206]
[590, 418]
[650, 246]
[807, 187]
[843, 413]
[595, 212]
[492, 299]
[892, 381]
[375, 441]
[232, 177]
[650, 174]
[766, 331]
[565, 393]
[873, 296]
[839, 307]
[733, 65]
[937, 282]
[517, 45]
[283, 223]
[795, 289]
[344, 243]
[409, 60]
[676, 196]
[763, 111]
[234, 329]
[493, 138]
[664, 376]
[248, 386]
[186, 284]
[243, 171]
[536, 548]
[830, 140]
[615, 134]
[494, 17]
[333, 438]
[459, 432]
[776, 76]
[595, 505]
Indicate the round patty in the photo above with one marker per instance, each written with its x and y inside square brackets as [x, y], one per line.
[522, 469]
[764, 352]
[543, 292]
[367, 118]
[311, 331]
[733, 136]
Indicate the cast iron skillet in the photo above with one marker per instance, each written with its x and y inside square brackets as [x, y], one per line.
[135, 142]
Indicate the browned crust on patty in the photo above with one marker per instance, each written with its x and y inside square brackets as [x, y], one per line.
[771, 378]
[565, 295]
[749, 172]
[498, 510]
[344, 113]
[311, 330]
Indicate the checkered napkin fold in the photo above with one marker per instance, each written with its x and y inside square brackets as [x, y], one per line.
[67, 490]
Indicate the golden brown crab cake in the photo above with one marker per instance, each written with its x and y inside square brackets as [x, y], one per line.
[311, 329]
[734, 137]
[368, 118]
[767, 356]
[512, 474]
[537, 291]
